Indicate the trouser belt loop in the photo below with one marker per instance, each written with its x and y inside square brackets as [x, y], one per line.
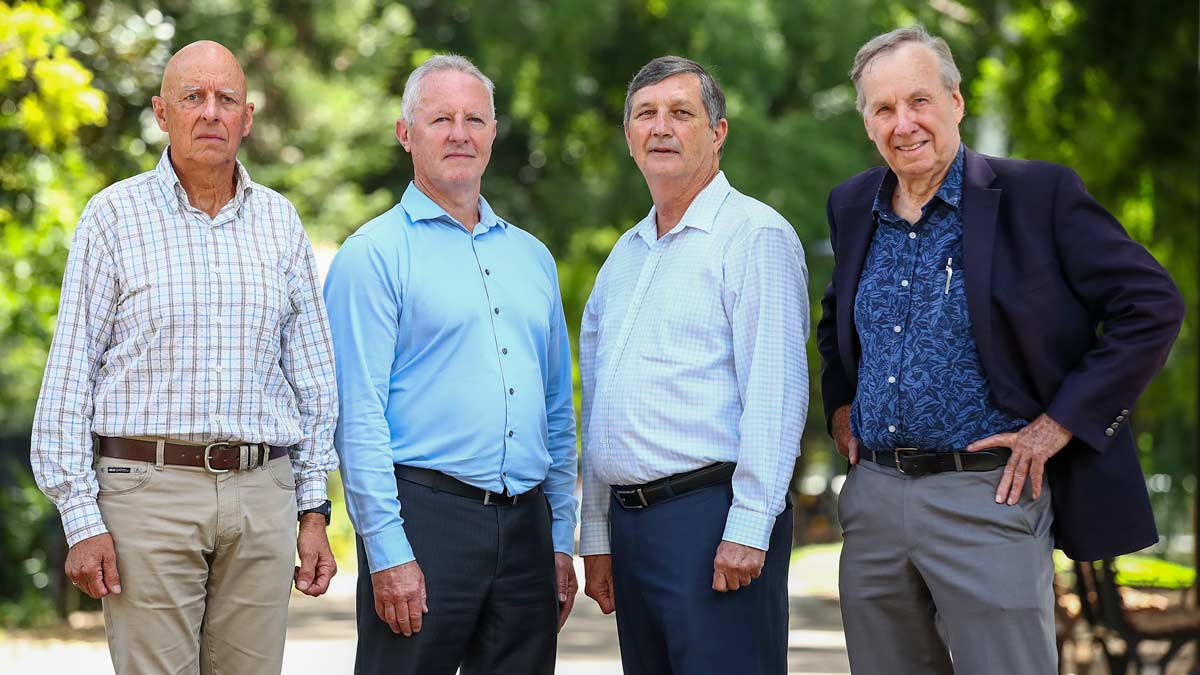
[957, 462]
[159, 461]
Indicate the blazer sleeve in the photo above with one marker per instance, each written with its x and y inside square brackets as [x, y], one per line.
[1129, 295]
[836, 388]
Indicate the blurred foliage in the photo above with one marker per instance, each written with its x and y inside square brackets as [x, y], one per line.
[1047, 79]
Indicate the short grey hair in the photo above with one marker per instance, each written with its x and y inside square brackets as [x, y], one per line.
[438, 63]
[666, 66]
[891, 41]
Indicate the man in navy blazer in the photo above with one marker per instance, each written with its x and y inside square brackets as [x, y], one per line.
[987, 331]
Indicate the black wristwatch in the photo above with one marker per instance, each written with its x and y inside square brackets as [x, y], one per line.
[325, 509]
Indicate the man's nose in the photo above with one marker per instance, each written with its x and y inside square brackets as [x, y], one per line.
[661, 125]
[210, 107]
[458, 130]
[906, 120]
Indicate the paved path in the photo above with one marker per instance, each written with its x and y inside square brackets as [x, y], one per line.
[321, 639]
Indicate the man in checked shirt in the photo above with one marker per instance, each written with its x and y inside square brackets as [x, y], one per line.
[694, 395]
[188, 407]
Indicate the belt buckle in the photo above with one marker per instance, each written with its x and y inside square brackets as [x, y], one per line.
[898, 452]
[487, 497]
[630, 493]
[208, 456]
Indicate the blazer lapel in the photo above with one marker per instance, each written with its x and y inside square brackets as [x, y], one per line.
[981, 204]
[856, 227]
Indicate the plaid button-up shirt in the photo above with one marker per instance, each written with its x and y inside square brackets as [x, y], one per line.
[174, 324]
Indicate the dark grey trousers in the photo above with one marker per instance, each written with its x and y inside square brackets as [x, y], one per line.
[490, 584]
[937, 578]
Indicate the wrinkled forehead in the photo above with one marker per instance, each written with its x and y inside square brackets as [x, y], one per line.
[678, 88]
[204, 70]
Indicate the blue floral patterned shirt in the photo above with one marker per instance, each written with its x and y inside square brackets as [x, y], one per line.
[920, 381]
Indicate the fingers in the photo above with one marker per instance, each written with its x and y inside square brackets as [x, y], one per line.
[386, 612]
[1036, 469]
[720, 583]
[564, 610]
[326, 568]
[109, 576]
[415, 615]
[305, 572]
[852, 450]
[403, 618]
[996, 441]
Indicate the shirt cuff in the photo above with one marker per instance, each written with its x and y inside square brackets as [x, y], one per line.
[388, 548]
[562, 533]
[311, 492]
[81, 519]
[593, 538]
[748, 528]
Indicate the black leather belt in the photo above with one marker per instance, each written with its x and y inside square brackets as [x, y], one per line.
[440, 482]
[641, 496]
[915, 462]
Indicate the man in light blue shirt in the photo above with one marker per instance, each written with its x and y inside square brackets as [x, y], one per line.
[695, 389]
[457, 431]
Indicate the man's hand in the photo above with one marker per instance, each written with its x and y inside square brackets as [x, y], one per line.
[92, 566]
[568, 586]
[843, 438]
[317, 565]
[400, 597]
[598, 581]
[1031, 447]
[736, 565]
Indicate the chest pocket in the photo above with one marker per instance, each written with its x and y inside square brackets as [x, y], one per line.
[953, 317]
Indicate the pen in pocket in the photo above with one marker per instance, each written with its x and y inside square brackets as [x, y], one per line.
[949, 273]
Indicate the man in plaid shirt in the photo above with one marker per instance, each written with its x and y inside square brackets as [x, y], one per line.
[188, 407]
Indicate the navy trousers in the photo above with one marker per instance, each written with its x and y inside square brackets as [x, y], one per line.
[490, 584]
[669, 619]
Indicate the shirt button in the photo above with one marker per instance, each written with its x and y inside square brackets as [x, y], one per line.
[219, 369]
[892, 428]
[496, 310]
[511, 391]
[504, 350]
[487, 271]
[912, 235]
[904, 283]
[891, 379]
[895, 329]
[510, 433]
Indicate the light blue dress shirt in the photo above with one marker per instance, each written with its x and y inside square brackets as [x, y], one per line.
[452, 354]
[691, 353]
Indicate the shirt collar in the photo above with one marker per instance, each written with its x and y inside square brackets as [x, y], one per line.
[420, 207]
[701, 213]
[176, 196]
[950, 191]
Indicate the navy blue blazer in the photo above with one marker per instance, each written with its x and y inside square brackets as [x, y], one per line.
[1071, 317]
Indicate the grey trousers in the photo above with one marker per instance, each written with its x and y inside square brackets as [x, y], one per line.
[937, 578]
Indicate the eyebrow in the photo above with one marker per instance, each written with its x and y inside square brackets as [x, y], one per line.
[190, 88]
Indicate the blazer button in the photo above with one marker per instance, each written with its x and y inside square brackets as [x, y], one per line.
[1124, 412]
[1109, 432]
[1120, 418]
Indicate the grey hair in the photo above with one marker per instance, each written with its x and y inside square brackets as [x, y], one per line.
[891, 41]
[438, 63]
[665, 66]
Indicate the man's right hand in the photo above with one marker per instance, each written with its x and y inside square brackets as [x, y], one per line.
[92, 566]
[400, 597]
[598, 581]
[843, 438]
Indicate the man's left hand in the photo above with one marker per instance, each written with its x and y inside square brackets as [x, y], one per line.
[317, 565]
[1031, 447]
[567, 585]
[736, 565]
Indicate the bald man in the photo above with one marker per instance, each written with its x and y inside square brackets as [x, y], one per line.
[186, 417]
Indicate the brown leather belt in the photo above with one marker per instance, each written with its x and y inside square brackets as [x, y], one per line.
[217, 457]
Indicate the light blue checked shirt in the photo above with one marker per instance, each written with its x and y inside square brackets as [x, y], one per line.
[452, 355]
[692, 352]
[177, 325]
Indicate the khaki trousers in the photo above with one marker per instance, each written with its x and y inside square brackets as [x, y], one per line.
[206, 564]
[937, 578]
